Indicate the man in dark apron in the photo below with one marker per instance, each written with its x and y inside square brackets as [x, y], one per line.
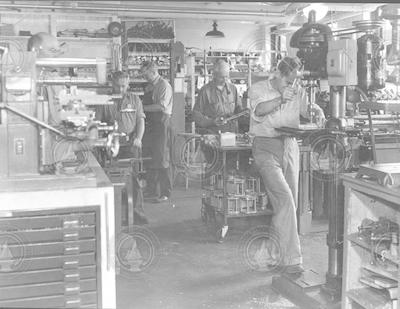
[158, 106]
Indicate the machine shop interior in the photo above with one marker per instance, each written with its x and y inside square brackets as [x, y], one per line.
[187, 154]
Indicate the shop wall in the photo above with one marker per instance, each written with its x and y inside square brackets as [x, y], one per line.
[238, 36]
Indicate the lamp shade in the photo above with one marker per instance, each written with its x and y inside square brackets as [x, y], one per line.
[215, 33]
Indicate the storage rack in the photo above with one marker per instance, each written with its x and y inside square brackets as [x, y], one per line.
[366, 199]
[136, 50]
[226, 197]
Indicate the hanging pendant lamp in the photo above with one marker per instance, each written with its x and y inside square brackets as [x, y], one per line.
[215, 33]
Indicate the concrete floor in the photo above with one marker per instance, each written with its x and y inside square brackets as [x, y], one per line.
[193, 271]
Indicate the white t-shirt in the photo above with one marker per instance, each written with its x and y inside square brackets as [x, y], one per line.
[287, 115]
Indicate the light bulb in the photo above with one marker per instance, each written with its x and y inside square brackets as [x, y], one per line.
[320, 10]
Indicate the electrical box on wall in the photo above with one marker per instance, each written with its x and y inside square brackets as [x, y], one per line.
[342, 62]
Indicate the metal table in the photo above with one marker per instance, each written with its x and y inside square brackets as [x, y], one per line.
[210, 213]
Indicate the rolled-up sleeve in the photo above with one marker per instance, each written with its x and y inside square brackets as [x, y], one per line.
[259, 93]
[165, 97]
[139, 113]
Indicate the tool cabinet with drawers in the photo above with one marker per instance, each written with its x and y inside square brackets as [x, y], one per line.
[57, 243]
[50, 259]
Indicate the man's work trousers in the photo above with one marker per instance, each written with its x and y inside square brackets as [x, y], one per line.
[278, 162]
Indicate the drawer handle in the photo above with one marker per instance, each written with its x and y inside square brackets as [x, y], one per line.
[72, 289]
[71, 262]
[71, 235]
[71, 250]
[76, 275]
[73, 303]
[74, 223]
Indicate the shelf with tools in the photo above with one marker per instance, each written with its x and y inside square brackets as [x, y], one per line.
[371, 271]
[360, 241]
[137, 50]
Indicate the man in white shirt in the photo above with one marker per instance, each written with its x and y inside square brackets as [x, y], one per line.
[276, 103]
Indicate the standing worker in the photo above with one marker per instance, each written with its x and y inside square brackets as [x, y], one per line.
[274, 103]
[159, 100]
[217, 100]
[128, 113]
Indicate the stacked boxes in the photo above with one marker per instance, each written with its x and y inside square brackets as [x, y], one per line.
[243, 194]
[233, 204]
[248, 204]
[235, 186]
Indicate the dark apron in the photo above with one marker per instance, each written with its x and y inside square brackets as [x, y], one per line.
[157, 136]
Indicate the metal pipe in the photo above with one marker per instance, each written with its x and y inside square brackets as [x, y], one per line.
[342, 102]
[380, 117]
[334, 102]
[34, 120]
[119, 8]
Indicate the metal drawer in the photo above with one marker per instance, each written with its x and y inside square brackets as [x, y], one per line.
[48, 275]
[50, 249]
[46, 235]
[55, 258]
[49, 221]
[57, 301]
[49, 262]
[47, 289]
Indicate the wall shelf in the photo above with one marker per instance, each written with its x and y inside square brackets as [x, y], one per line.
[148, 40]
[137, 66]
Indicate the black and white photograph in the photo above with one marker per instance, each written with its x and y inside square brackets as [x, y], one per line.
[199, 155]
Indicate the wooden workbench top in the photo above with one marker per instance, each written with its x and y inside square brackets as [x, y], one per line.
[94, 179]
[372, 188]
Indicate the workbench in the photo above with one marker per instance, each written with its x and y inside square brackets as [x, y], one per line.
[58, 241]
[366, 199]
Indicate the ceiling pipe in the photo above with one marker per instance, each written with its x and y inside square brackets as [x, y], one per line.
[137, 9]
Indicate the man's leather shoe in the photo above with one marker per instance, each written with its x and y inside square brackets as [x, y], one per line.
[161, 199]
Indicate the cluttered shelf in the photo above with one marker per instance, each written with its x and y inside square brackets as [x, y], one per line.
[266, 212]
[149, 40]
[356, 239]
[137, 66]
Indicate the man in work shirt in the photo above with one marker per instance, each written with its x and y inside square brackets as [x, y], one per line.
[159, 100]
[128, 113]
[274, 103]
[217, 100]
